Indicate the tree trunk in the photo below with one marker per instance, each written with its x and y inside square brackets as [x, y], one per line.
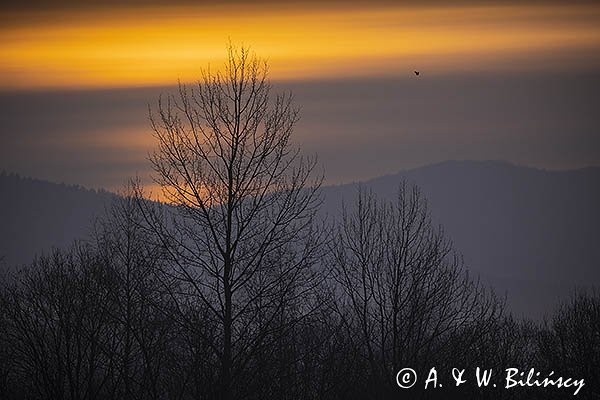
[227, 322]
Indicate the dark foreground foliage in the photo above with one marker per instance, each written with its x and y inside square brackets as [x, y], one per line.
[110, 320]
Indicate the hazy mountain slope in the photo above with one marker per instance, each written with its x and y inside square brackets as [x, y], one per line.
[531, 232]
[36, 216]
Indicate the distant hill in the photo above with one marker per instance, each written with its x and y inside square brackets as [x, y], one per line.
[531, 233]
[36, 216]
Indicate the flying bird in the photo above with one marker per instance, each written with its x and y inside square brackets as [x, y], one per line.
[417, 73]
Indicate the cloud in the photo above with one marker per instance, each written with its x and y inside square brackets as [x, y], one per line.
[128, 46]
[360, 128]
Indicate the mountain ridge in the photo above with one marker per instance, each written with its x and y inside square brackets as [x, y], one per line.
[521, 229]
[514, 225]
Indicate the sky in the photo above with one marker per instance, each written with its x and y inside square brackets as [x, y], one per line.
[516, 81]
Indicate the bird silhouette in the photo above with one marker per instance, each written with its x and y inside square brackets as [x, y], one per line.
[417, 73]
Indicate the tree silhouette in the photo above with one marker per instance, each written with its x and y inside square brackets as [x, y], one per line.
[570, 341]
[240, 233]
[59, 326]
[404, 294]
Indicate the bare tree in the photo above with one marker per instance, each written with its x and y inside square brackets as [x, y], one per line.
[570, 341]
[240, 229]
[94, 322]
[58, 316]
[143, 340]
[403, 291]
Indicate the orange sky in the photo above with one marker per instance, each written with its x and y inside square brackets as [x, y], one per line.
[514, 80]
[157, 45]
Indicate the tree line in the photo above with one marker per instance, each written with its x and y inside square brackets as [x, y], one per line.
[235, 287]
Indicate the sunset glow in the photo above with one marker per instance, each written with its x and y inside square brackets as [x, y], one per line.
[156, 46]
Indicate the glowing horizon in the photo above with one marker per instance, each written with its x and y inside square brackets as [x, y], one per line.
[158, 45]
